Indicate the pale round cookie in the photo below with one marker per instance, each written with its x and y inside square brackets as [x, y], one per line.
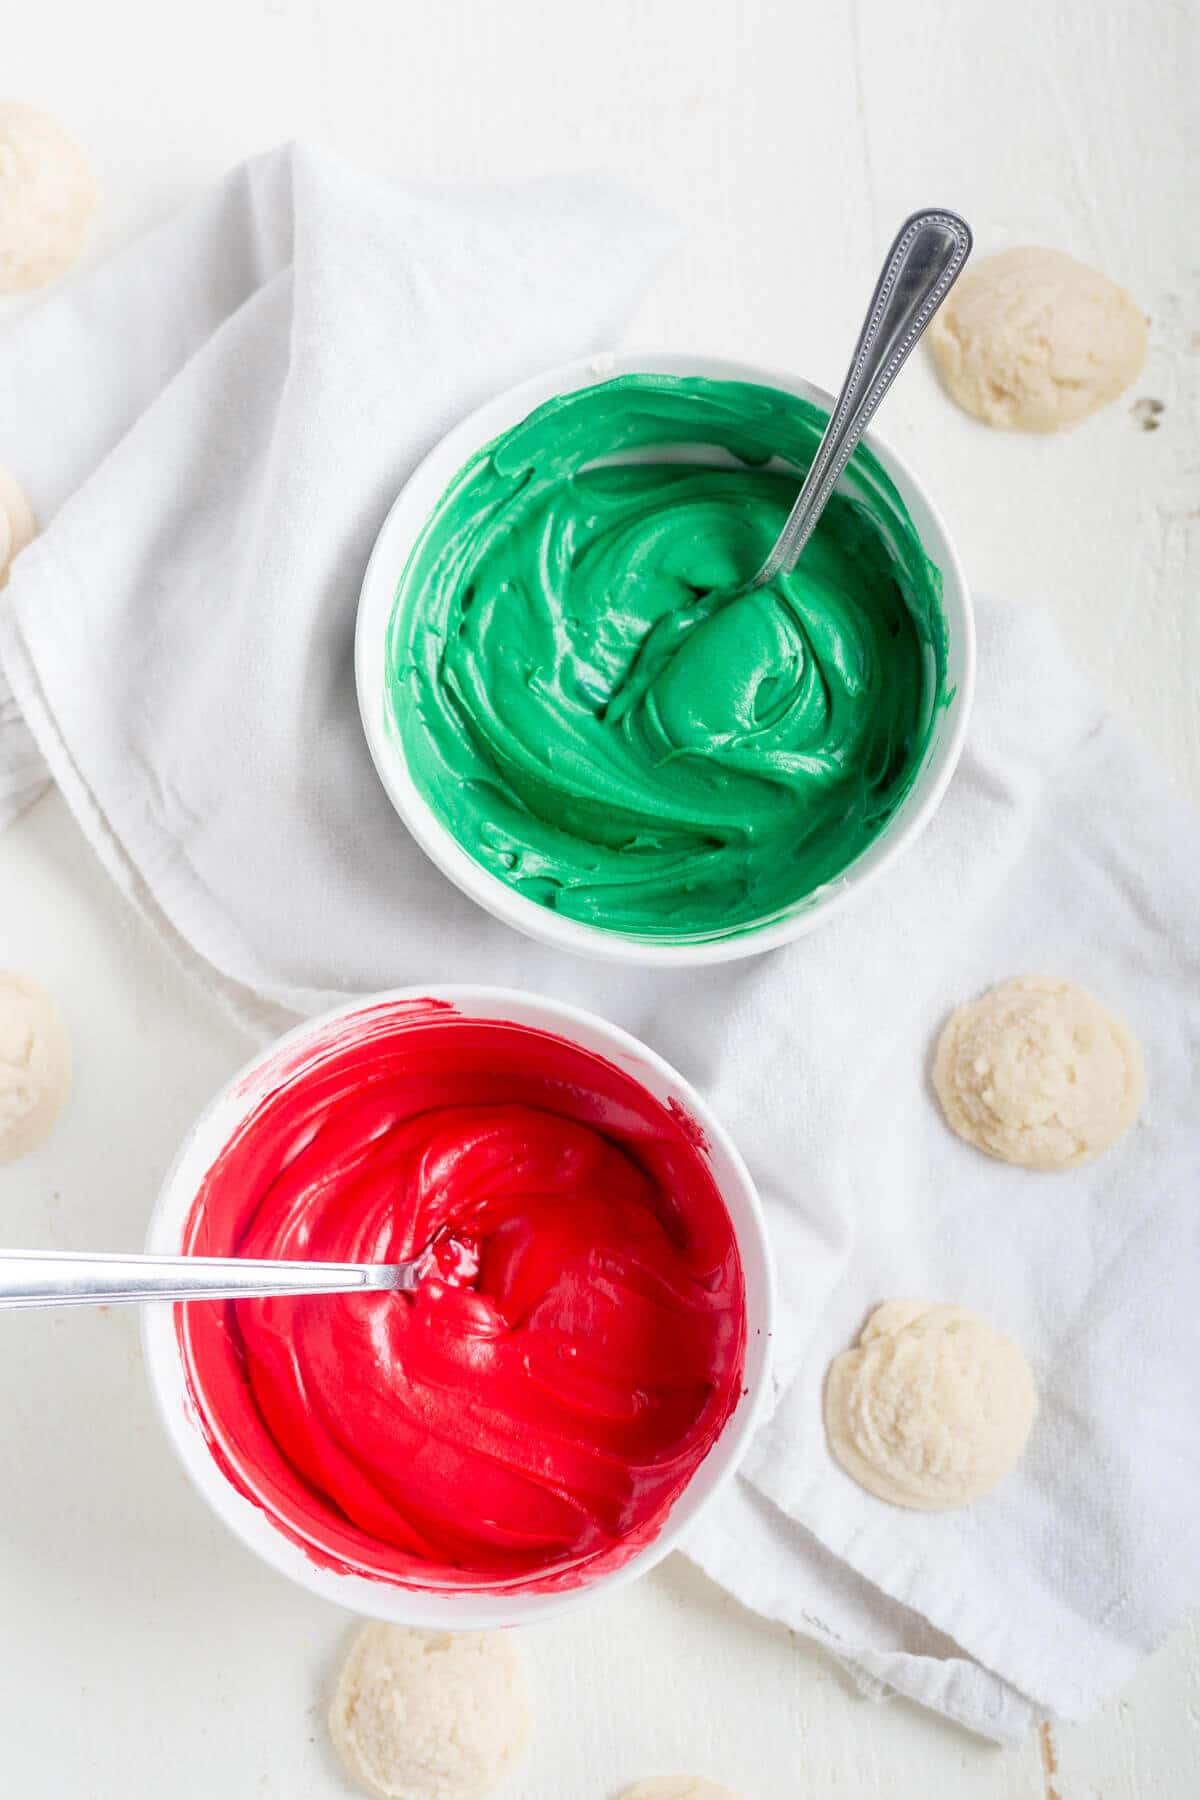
[35, 1064]
[17, 525]
[1031, 340]
[47, 197]
[678, 1787]
[932, 1409]
[430, 1715]
[1037, 1072]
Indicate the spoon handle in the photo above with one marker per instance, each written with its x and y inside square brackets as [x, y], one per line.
[61, 1278]
[922, 266]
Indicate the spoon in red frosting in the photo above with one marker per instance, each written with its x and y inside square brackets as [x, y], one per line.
[67, 1278]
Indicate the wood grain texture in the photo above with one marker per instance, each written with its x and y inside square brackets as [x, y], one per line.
[144, 1652]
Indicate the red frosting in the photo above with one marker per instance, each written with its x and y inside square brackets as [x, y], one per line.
[527, 1418]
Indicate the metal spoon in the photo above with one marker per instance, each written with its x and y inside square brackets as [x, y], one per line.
[922, 266]
[62, 1278]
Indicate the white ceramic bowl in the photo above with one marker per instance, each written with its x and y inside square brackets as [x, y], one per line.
[253, 1523]
[402, 527]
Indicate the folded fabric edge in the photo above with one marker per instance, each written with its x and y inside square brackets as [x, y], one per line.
[999, 1713]
[259, 1017]
[12, 806]
[742, 1549]
[1071, 1691]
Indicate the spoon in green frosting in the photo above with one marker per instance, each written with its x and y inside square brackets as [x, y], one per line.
[922, 266]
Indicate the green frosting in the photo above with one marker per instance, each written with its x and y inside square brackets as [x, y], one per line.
[602, 721]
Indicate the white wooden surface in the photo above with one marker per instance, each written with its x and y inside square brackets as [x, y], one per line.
[142, 1652]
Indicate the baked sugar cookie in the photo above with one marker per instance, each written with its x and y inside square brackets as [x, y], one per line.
[430, 1715]
[932, 1408]
[47, 197]
[1032, 340]
[1038, 1072]
[35, 1064]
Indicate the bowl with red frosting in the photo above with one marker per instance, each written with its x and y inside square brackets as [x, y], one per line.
[554, 1405]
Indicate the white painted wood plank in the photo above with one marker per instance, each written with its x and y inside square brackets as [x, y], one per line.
[1075, 127]
[1146, 1743]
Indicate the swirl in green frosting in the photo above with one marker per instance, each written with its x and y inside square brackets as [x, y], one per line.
[600, 723]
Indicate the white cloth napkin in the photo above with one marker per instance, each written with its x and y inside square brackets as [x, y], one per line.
[214, 426]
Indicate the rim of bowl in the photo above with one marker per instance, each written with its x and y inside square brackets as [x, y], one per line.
[406, 518]
[252, 1522]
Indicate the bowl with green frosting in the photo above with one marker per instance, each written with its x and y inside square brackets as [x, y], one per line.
[587, 727]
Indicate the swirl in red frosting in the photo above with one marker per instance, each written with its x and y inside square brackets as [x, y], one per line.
[528, 1417]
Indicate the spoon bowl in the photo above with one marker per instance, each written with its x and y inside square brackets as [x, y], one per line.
[245, 1499]
[403, 529]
